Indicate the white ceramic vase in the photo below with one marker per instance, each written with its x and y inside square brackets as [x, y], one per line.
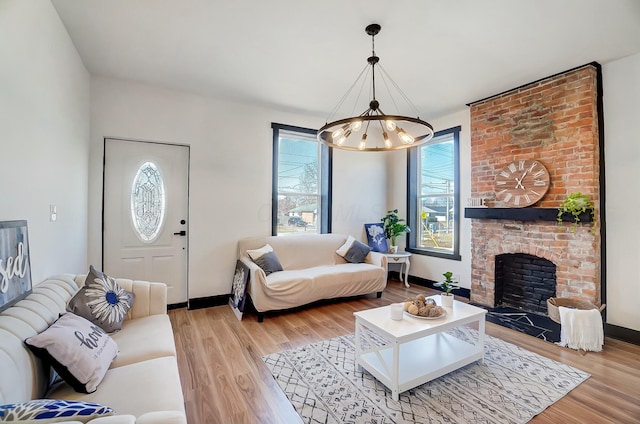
[393, 249]
[447, 300]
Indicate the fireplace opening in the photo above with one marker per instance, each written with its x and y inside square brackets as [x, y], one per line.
[524, 282]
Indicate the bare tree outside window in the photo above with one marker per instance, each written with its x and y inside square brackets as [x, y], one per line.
[299, 184]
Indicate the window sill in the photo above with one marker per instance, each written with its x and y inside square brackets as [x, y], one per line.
[426, 252]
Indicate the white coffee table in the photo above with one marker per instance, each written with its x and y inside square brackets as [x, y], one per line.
[417, 350]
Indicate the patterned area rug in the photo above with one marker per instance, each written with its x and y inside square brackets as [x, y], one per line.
[512, 386]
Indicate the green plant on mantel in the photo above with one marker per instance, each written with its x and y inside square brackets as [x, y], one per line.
[577, 204]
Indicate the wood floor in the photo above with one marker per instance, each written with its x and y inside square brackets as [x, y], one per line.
[225, 381]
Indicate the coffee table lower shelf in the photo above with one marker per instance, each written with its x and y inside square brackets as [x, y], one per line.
[419, 361]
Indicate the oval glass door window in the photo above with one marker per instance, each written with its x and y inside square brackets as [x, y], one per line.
[148, 202]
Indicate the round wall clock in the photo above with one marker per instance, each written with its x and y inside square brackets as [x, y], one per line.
[522, 183]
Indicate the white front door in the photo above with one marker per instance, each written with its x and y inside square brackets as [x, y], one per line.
[146, 189]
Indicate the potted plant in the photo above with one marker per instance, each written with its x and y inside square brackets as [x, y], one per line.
[394, 227]
[447, 285]
[576, 204]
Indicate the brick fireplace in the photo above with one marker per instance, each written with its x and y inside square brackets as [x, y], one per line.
[554, 121]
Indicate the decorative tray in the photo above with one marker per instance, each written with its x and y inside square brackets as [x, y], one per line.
[444, 314]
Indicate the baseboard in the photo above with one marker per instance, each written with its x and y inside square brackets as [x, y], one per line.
[207, 302]
[462, 292]
[621, 333]
[177, 306]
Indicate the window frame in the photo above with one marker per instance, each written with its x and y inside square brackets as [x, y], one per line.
[325, 166]
[412, 197]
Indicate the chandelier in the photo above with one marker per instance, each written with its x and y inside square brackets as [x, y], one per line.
[373, 130]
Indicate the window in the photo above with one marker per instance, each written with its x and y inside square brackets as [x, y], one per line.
[434, 196]
[147, 202]
[301, 182]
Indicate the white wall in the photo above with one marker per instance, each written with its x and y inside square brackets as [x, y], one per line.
[44, 135]
[429, 267]
[621, 91]
[359, 191]
[230, 174]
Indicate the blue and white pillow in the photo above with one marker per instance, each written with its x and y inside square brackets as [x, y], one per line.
[102, 301]
[44, 411]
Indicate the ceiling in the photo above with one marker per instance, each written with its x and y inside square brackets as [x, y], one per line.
[298, 55]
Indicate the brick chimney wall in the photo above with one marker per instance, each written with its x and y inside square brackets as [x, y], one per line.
[554, 121]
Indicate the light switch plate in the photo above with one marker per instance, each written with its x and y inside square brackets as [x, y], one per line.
[53, 213]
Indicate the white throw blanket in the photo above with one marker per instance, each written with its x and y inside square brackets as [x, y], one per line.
[581, 329]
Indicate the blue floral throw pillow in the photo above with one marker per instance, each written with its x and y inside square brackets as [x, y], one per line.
[102, 301]
[52, 411]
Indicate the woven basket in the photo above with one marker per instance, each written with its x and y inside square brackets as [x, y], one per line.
[554, 303]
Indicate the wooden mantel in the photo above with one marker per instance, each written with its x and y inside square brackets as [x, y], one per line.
[522, 214]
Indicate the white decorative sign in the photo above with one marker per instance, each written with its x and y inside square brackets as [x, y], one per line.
[15, 270]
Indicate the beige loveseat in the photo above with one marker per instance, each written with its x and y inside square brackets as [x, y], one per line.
[142, 385]
[312, 270]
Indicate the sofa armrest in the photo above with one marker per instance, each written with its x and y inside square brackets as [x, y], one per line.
[257, 284]
[256, 274]
[376, 258]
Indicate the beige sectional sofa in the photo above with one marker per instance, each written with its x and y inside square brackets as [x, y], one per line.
[142, 385]
[312, 271]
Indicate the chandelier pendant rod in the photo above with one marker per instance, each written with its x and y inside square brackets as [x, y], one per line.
[373, 60]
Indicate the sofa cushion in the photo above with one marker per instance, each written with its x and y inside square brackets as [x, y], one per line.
[290, 283]
[135, 389]
[102, 301]
[144, 338]
[41, 411]
[266, 259]
[347, 280]
[353, 251]
[78, 350]
[298, 287]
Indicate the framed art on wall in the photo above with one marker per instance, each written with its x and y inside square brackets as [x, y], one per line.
[239, 289]
[375, 237]
[15, 268]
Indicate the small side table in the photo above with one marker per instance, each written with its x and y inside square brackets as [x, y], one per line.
[401, 258]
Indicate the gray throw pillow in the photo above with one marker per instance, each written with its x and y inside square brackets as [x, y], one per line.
[357, 252]
[78, 350]
[102, 301]
[353, 251]
[269, 262]
[266, 259]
